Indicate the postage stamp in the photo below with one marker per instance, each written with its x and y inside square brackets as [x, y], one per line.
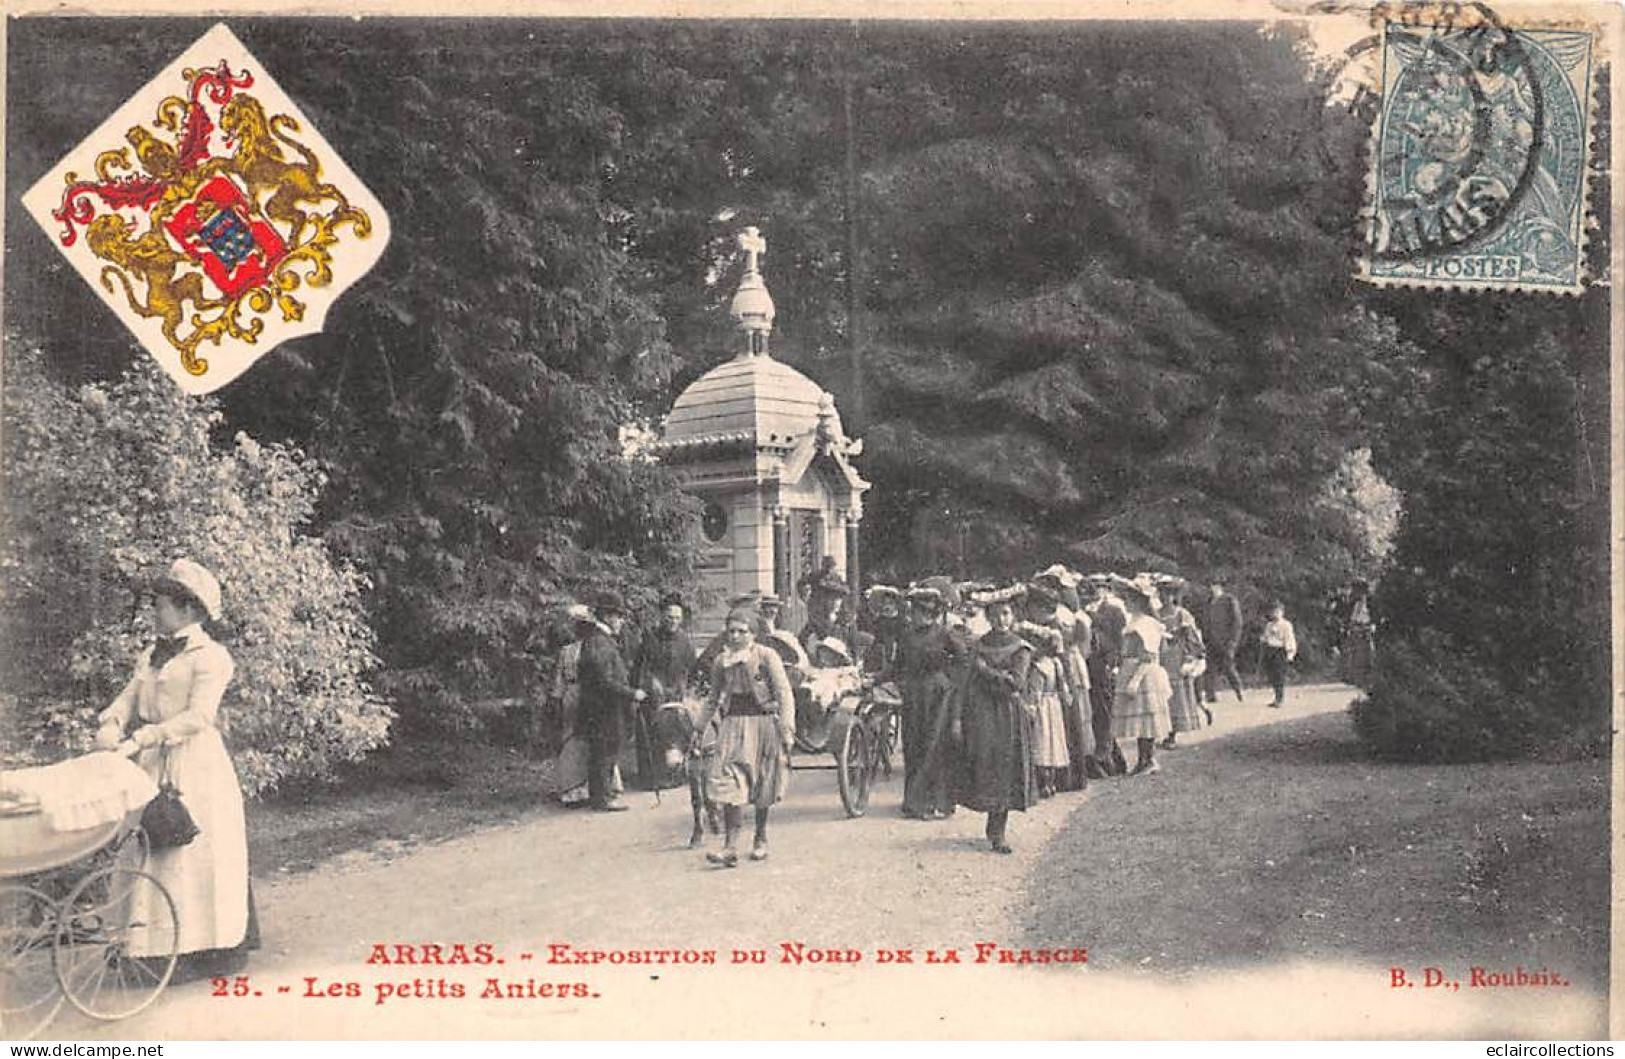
[1480, 157]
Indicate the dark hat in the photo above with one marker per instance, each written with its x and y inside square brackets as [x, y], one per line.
[927, 595]
[826, 580]
[944, 585]
[1142, 586]
[608, 601]
[1042, 591]
[968, 589]
[672, 599]
[769, 600]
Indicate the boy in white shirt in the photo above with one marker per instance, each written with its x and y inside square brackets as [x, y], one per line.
[1280, 648]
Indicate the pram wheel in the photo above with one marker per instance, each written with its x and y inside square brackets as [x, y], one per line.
[116, 936]
[29, 998]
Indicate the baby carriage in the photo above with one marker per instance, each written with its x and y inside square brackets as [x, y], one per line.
[839, 711]
[80, 921]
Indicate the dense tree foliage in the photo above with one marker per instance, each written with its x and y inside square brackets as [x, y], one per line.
[1098, 279]
[104, 486]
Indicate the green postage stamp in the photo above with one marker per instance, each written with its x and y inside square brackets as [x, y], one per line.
[1480, 157]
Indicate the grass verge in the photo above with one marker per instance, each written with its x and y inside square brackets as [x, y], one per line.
[400, 797]
[1285, 843]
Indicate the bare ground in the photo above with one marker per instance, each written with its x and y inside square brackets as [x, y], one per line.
[1262, 885]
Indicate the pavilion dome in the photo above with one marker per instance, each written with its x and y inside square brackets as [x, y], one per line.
[750, 399]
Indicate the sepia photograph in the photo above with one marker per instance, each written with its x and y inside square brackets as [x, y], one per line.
[1053, 522]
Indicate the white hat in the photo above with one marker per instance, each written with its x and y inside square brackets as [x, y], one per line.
[198, 582]
[837, 647]
[1060, 574]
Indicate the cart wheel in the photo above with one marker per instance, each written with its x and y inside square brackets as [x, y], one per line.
[29, 997]
[854, 767]
[115, 944]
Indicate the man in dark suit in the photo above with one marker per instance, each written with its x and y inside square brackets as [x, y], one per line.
[1221, 630]
[1107, 619]
[607, 696]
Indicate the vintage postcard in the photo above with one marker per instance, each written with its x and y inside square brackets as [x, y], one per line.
[1035, 521]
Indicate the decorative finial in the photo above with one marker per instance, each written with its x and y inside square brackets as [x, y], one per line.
[752, 306]
[829, 433]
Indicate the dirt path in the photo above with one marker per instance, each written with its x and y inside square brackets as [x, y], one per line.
[627, 881]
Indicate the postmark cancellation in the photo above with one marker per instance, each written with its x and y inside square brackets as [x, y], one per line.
[1480, 157]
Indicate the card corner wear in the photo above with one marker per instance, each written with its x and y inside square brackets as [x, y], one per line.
[211, 215]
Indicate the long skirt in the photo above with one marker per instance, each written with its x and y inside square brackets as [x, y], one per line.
[1358, 649]
[751, 767]
[1185, 707]
[1079, 714]
[996, 772]
[570, 772]
[927, 717]
[208, 877]
[1049, 739]
[1102, 689]
[1143, 712]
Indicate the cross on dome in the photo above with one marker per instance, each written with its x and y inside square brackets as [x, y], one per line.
[754, 246]
[752, 306]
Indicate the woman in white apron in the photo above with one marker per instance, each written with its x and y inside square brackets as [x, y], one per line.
[170, 709]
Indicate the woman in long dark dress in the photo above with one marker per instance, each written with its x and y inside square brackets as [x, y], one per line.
[1359, 639]
[927, 670]
[997, 723]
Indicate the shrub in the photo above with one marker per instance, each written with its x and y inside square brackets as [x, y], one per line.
[1431, 702]
[104, 487]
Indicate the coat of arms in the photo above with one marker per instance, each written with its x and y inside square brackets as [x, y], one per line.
[211, 215]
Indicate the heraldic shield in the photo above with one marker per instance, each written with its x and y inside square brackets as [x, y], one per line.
[211, 215]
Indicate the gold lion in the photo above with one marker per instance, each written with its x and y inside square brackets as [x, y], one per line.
[151, 260]
[261, 162]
